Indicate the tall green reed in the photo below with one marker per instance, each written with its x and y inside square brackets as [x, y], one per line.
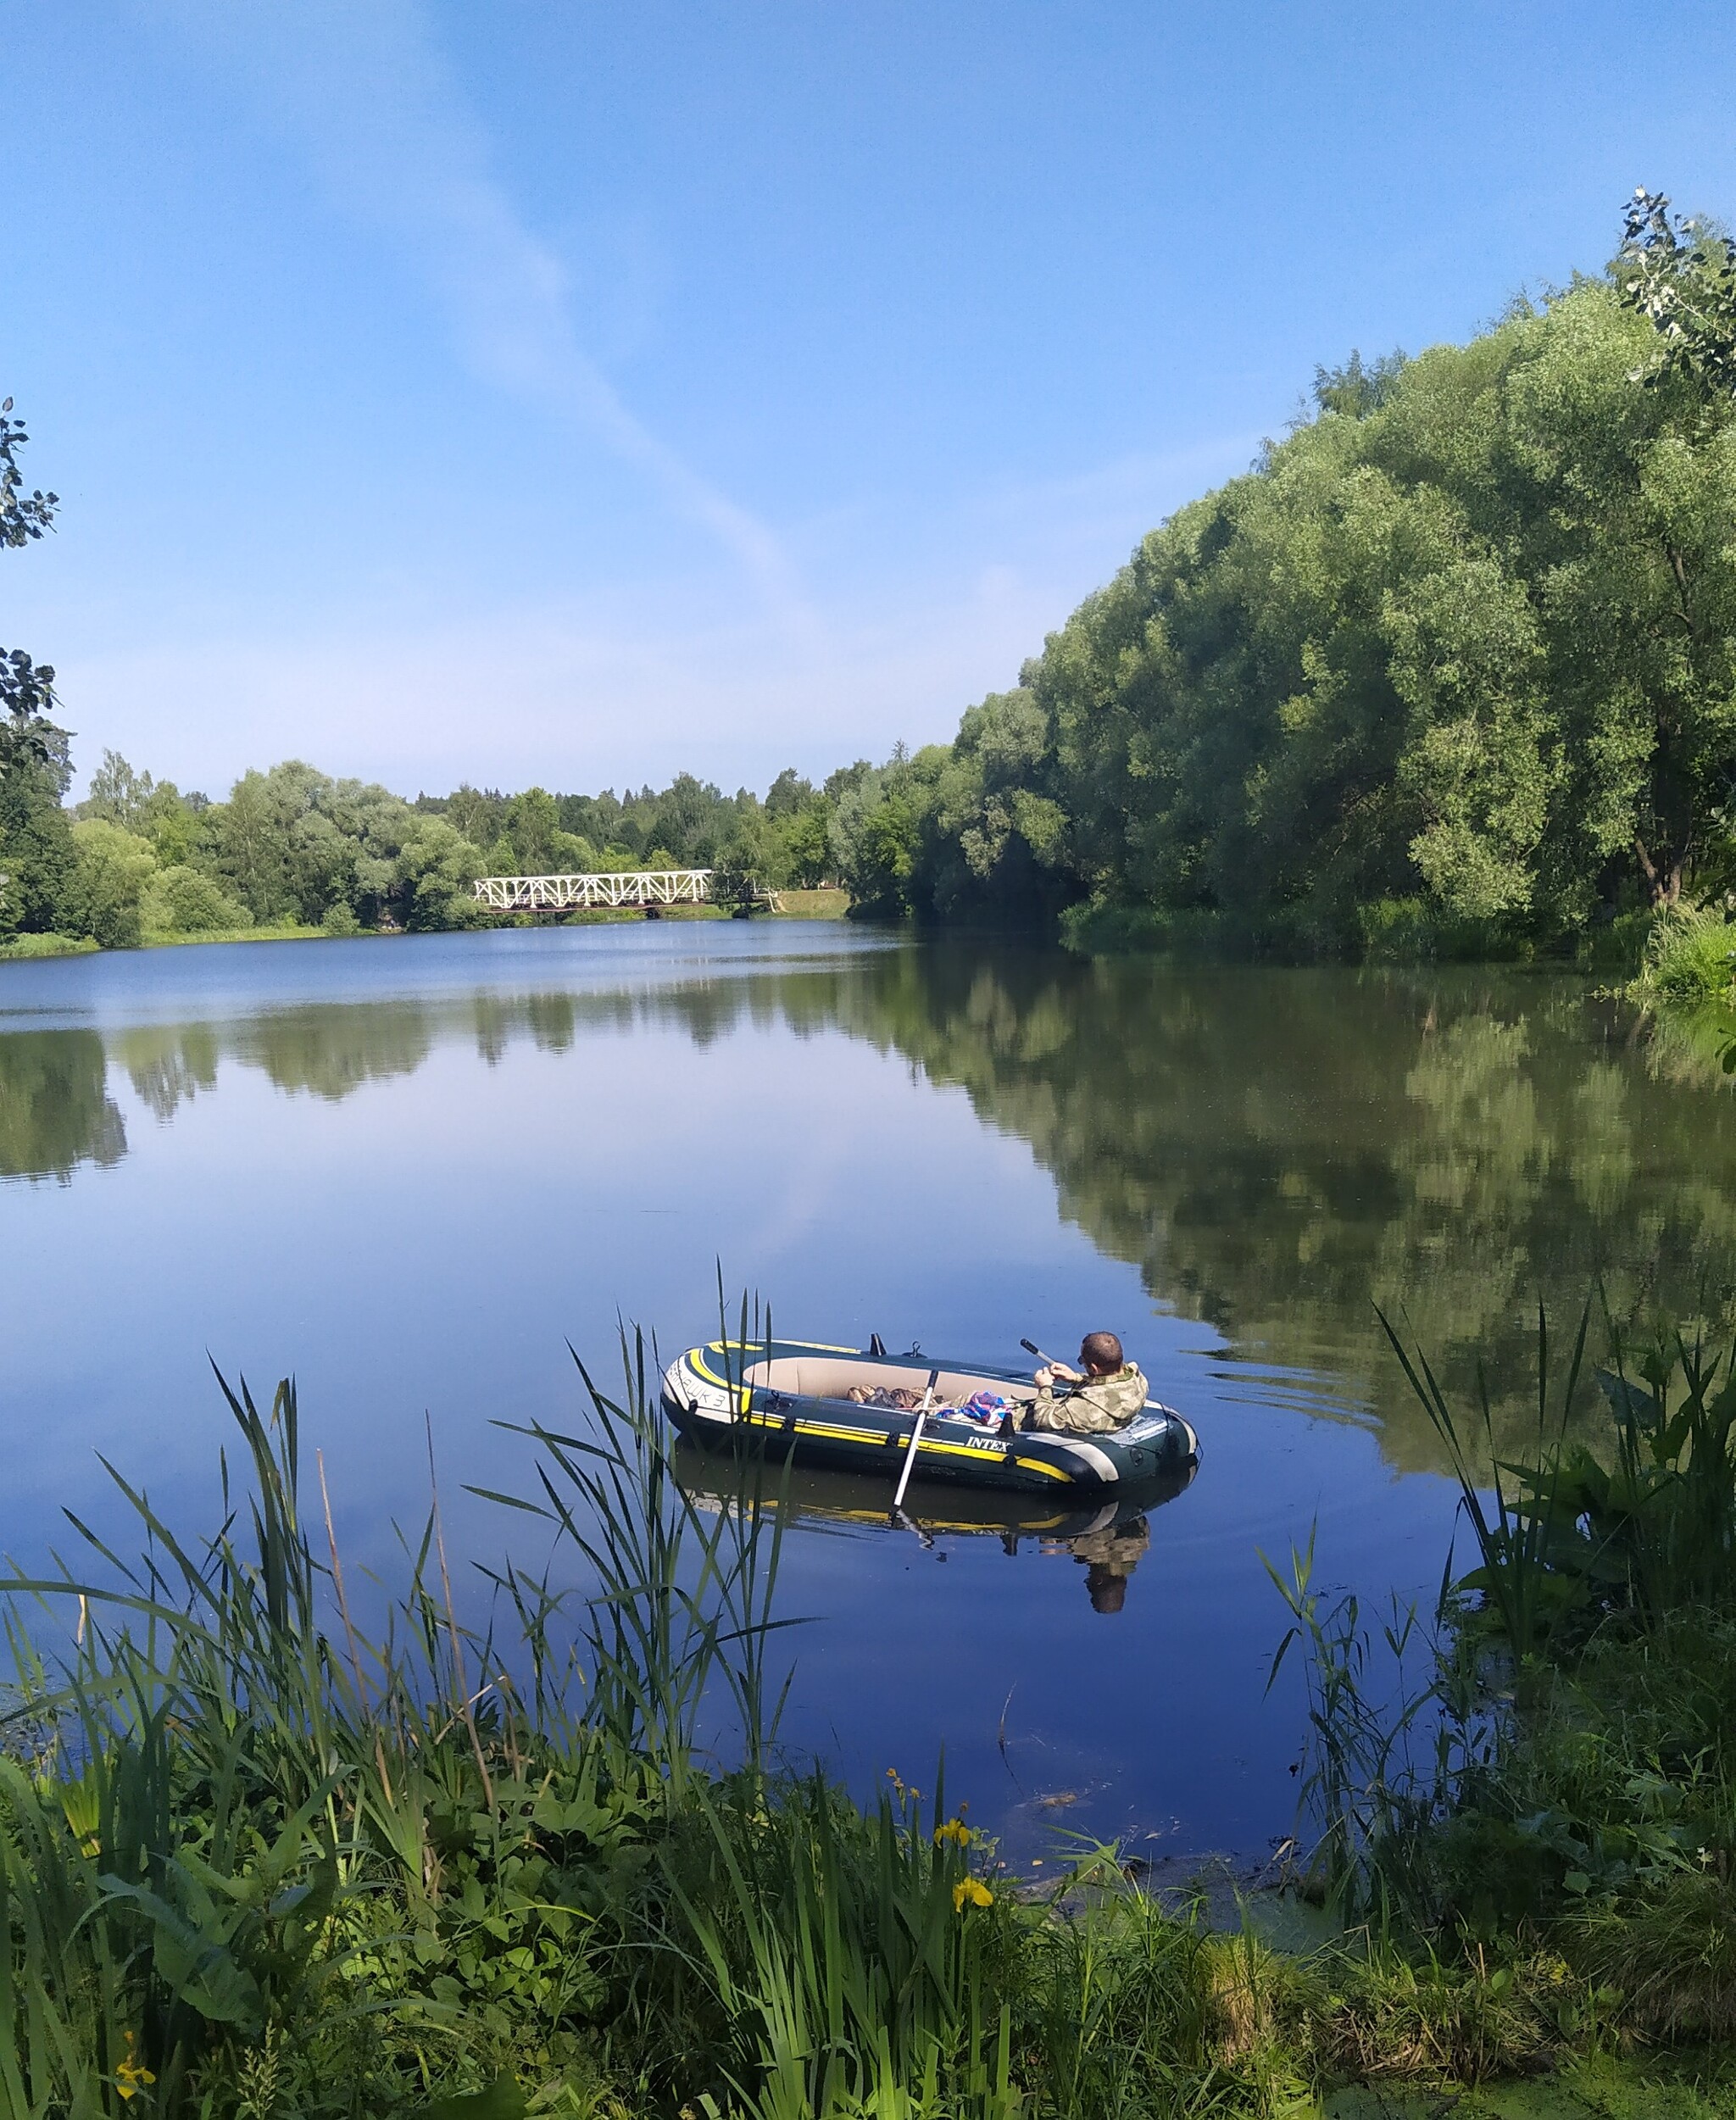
[219, 1777]
[836, 1963]
[1531, 1545]
[680, 1603]
[1483, 1774]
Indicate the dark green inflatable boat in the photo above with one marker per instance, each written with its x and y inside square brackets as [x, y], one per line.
[790, 1399]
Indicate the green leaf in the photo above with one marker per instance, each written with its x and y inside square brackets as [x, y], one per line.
[501, 2100]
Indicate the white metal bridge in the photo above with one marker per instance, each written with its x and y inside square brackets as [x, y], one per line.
[649, 887]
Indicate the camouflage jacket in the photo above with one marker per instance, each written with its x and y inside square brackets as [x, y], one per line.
[1093, 1408]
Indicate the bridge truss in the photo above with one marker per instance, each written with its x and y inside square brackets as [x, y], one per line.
[649, 887]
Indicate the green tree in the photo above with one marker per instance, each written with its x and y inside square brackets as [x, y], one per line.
[36, 854]
[1680, 274]
[111, 868]
[26, 687]
[35, 848]
[877, 830]
[532, 827]
[247, 843]
[436, 868]
[182, 900]
[1465, 639]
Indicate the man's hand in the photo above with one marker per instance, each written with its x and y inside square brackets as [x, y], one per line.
[1043, 1378]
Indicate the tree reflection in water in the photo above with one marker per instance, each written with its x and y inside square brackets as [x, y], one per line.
[55, 1109]
[1278, 1150]
[1275, 1150]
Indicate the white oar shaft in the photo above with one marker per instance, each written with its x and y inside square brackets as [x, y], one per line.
[897, 1500]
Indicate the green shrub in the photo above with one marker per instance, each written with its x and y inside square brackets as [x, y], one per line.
[1410, 931]
[182, 900]
[110, 871]
[47, 945]
[1690, 958]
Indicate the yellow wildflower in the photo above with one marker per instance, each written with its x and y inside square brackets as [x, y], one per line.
[970, 1891]
[132, 2077]
[955, 1830]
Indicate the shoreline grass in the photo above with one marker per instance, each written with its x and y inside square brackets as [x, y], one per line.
[822, 904]
[259, 1859]
[23, 949]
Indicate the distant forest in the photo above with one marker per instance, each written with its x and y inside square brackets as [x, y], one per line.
[1453, 667]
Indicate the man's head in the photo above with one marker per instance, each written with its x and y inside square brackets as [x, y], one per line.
[1100, 1354]
[1108, 1590]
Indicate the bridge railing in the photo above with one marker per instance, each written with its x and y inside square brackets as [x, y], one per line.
[628, 887]
[560, 894]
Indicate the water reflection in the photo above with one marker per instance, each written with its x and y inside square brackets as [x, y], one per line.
[1108, 1556]
[1277, 1150]
[167, 1068]
[1274, 1150]
[1107, 1539]
[55, 1109]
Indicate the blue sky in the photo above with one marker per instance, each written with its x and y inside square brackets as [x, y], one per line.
[445, 389]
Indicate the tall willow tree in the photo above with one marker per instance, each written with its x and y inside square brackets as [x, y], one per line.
[1476, 642]
[1465, 640]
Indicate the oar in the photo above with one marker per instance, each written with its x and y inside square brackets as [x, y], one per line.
[897, 1500]
[1068, 1384]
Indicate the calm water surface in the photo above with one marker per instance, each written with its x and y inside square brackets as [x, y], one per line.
[409, 1171]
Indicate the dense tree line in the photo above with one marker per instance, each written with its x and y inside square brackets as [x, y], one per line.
[1457, 658]
[292, 846]
[137, 858]
[1452, 666]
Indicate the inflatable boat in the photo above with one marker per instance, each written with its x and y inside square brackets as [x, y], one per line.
[792, 1400]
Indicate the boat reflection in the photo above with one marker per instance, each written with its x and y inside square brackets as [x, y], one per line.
[1107, 1537]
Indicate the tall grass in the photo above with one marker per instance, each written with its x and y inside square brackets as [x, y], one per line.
[258, 1858]
[239, 1833]
[1580, 1785]
[1689, 959]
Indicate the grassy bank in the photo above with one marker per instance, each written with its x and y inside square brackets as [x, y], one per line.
[47, 945]
[257, 1857]
[814, 905]
[819, 904]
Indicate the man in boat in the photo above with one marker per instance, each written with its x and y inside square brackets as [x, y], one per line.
[1103, 1394]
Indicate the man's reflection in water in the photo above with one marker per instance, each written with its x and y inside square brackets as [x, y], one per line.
[1109, 1557]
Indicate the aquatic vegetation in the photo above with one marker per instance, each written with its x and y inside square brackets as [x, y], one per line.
[1690, 958]
[258, 1858]
[1560, 1774]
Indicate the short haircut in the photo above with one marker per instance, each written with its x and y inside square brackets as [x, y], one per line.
[1103, 1351]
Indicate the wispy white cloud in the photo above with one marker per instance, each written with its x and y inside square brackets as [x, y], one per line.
[880, 616]
[587, 691]
[363, 89]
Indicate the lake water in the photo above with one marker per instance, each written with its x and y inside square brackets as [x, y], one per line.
[409, 1171]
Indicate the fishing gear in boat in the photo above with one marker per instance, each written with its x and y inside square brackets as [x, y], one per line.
[854, 1412]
